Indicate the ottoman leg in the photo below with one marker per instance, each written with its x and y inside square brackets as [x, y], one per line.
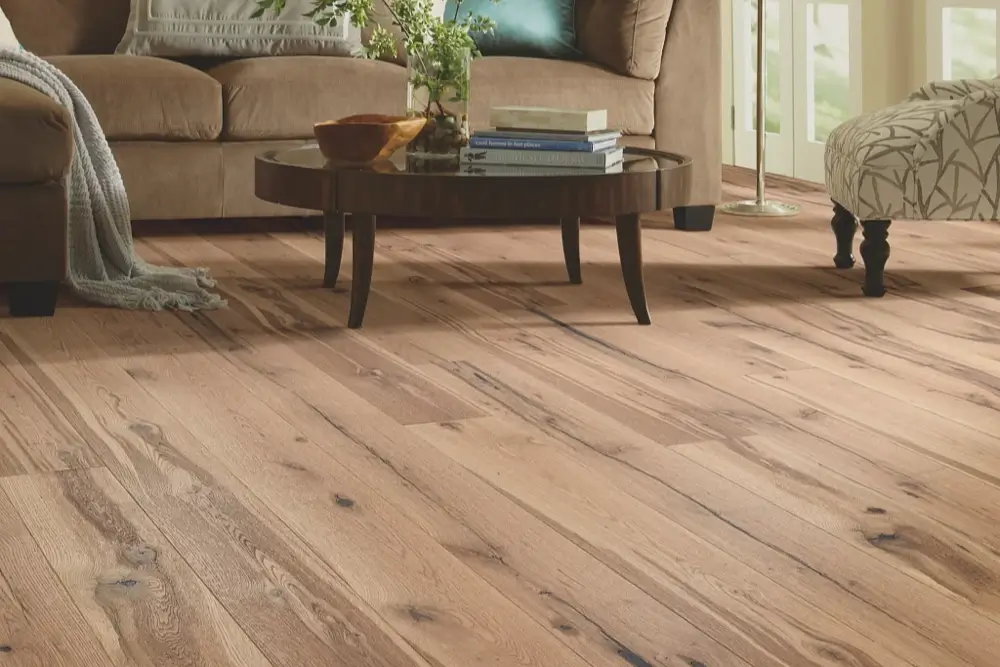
[844, 227]
[875, 253]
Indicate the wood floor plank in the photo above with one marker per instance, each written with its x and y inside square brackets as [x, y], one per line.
[718, 512]
[33, 438]
[443, 609]
[139, 596]
[564, 589]
[290, 602]
[39, 624]
[939, 553]
[380, 378]
[970, 450]
[649, 547]
[502, 468]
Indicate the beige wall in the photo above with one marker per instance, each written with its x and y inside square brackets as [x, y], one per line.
[894, 50]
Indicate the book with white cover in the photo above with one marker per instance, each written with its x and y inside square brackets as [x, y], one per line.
[540, 118]
[598, 159]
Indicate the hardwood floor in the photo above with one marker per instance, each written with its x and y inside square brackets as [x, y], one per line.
[502, 469]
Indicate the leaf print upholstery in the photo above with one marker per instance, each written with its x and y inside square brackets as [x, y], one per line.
[935, 156]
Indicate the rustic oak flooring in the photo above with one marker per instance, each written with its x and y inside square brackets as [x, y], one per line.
[501, 469]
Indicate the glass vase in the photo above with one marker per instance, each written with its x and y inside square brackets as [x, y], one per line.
[438, 86]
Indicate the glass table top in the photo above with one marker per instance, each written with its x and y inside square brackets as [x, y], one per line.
[310, 157]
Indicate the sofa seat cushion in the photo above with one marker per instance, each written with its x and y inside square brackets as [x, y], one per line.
[283, 98]
[536, 82]
[36, 136]
[140, 98]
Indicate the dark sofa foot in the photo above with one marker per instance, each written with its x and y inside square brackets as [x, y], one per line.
[33, 299]
[694, 218]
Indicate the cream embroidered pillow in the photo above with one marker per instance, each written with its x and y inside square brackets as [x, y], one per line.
[175, 28]
[7, 38]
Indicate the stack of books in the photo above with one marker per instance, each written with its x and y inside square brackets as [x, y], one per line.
[527, 139]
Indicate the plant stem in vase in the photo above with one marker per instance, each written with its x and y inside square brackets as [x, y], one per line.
[438, 89]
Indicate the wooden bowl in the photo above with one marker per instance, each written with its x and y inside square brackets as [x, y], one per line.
[367, 137]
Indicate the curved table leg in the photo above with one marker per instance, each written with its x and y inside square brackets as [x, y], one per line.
[629, 231]
[363, 232]
[333, 231]
[571, 248]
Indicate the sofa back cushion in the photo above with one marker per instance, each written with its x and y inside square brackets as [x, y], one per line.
[624, 35]
[63, 27]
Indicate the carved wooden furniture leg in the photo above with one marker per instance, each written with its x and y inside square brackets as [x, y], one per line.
[363, 235]
[333, 230]
[33, 299]
[694, 218]
[844, 225]
[629, 231]
[571, 248]
[875, 253]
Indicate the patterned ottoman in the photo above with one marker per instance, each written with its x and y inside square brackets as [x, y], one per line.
[934, 157]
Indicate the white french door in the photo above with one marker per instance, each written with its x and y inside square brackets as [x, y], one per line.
[962, 38]
[813, 80]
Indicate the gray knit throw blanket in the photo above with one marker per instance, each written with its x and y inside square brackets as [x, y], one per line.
[103, 265]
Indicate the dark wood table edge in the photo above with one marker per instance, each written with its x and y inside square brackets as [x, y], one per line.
[628, 228]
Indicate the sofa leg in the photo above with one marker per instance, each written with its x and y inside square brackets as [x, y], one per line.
[845, 225]
[694, 218]
[33, 299]
[875, 253]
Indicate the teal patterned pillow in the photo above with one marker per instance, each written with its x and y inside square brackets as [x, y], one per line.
[532, 28]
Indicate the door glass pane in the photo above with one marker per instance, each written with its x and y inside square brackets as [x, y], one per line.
[970, 43]
[772, 69]
[829, 61]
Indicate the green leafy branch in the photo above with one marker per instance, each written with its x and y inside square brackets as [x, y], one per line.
[436, 46]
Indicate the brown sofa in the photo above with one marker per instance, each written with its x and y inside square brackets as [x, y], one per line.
[185, 133]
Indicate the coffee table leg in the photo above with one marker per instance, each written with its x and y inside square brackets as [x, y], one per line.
[363, 231]
[333, 230]
[630, 253]
[571, 248]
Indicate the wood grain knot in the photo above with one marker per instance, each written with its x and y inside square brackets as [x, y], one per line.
[343, 501]
[632, 658]
[141, 554]
[691, 662]
[419, 615]
[563, 626]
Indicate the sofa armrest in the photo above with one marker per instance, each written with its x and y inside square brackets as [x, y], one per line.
[36, 135]
[688, 96]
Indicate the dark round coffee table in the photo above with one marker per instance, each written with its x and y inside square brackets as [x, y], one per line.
[649, 181]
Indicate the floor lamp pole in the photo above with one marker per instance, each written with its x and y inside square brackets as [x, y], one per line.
[761, 206]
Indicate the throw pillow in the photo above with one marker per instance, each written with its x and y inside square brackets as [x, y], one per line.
[534, 28]
[7, 38]
[178, 28]
[625, 35]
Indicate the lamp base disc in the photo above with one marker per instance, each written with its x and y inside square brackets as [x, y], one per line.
[765, 209]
